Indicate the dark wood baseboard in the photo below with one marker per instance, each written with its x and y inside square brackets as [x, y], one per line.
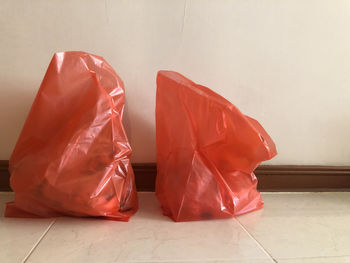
[4, 176]
[271, 177]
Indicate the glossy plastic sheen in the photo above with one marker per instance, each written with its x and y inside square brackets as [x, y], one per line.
[72, 157]
[207, 151]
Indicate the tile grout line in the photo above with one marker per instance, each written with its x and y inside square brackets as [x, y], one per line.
[39, 240]
[256, 241]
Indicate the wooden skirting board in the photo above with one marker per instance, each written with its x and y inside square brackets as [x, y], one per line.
[271, 177]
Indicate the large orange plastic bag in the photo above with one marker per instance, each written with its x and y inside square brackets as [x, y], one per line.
[207, 151]
[73, 156]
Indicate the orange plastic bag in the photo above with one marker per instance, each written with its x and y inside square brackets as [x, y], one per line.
[207, 151]
[72, 157]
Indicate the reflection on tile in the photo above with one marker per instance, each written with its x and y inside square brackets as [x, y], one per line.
[18, 236]
[302, 225]
[4, 198]
[148, 237]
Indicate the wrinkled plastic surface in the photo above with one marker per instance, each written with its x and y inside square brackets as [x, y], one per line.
[207, 151]
[72, 157]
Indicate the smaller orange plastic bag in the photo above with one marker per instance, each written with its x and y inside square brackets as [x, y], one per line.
[73, 156]
[207, 151]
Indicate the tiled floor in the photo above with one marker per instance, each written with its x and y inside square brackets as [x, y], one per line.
[292, 228]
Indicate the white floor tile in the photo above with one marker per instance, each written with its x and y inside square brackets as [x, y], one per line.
[317, 260]
[18, 236]
[148, 237]
[302, 225]
[255, 260]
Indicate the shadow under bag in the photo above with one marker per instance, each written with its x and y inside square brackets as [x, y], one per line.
[73, 156]
[207, 151]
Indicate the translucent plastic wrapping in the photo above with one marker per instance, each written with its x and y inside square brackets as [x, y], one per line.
[207, 151]
[72, 157]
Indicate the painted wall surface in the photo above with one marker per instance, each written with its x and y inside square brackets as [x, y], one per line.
[285, 63]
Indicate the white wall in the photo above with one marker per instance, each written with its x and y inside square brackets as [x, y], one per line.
[285, 63]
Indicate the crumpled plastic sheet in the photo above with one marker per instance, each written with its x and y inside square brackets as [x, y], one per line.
[207, 151]
[73, 157]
